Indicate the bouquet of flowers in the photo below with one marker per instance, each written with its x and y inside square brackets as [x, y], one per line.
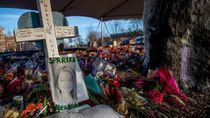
[31, 109]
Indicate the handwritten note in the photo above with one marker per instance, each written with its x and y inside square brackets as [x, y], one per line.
[38, 33]
[29, 34]
[66, 31]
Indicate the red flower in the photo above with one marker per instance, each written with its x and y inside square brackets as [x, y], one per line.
[112, 91]
[14, 84]
[156, 96]
[31, 107]
[116, 83]
[119, 96]
[116, 94]
[23, 113]
[39, 105]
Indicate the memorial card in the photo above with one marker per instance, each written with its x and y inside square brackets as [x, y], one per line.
[66, 80]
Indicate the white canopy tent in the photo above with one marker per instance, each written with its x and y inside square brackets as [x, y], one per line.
[98, 9]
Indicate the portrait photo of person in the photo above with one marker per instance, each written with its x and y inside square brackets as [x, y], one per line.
[65, 85]
[67, 82]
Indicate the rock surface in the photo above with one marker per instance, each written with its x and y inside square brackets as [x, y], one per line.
[171, 26]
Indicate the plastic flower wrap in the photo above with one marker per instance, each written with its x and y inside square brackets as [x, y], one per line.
[33, 74]
[11, 113]
[122, 108]
[131, 74]
[133, 98]
[175, 101]
[92, 84]
[170, 83]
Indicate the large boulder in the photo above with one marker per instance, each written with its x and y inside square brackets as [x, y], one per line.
[177, 34]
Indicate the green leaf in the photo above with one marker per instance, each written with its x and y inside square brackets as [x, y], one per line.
[45, 104]
[38, 89]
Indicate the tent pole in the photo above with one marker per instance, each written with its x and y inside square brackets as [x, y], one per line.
[98, 26]
[108, 32]
[102, 39]
[106, 28]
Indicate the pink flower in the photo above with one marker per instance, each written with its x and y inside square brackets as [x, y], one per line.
[139, 84]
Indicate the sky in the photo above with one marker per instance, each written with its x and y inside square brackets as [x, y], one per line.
[9, 18]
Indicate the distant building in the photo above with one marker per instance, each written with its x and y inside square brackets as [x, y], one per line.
[117, 39]
[10, 43]
[95, 42]
[120, 38]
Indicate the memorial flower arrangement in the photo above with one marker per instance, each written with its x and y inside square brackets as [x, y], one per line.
[147, 97]
[134, 95]
[31, 109]
[120, 86]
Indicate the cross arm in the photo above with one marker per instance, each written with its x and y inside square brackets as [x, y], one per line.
[34, 34]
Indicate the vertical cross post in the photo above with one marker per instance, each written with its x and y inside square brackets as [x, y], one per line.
[44, 7]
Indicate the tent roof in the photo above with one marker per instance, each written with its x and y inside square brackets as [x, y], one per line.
[106, 9]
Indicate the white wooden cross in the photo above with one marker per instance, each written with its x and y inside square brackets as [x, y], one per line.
[49, 32]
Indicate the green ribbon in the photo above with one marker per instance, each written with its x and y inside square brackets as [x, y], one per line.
[59, 108]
